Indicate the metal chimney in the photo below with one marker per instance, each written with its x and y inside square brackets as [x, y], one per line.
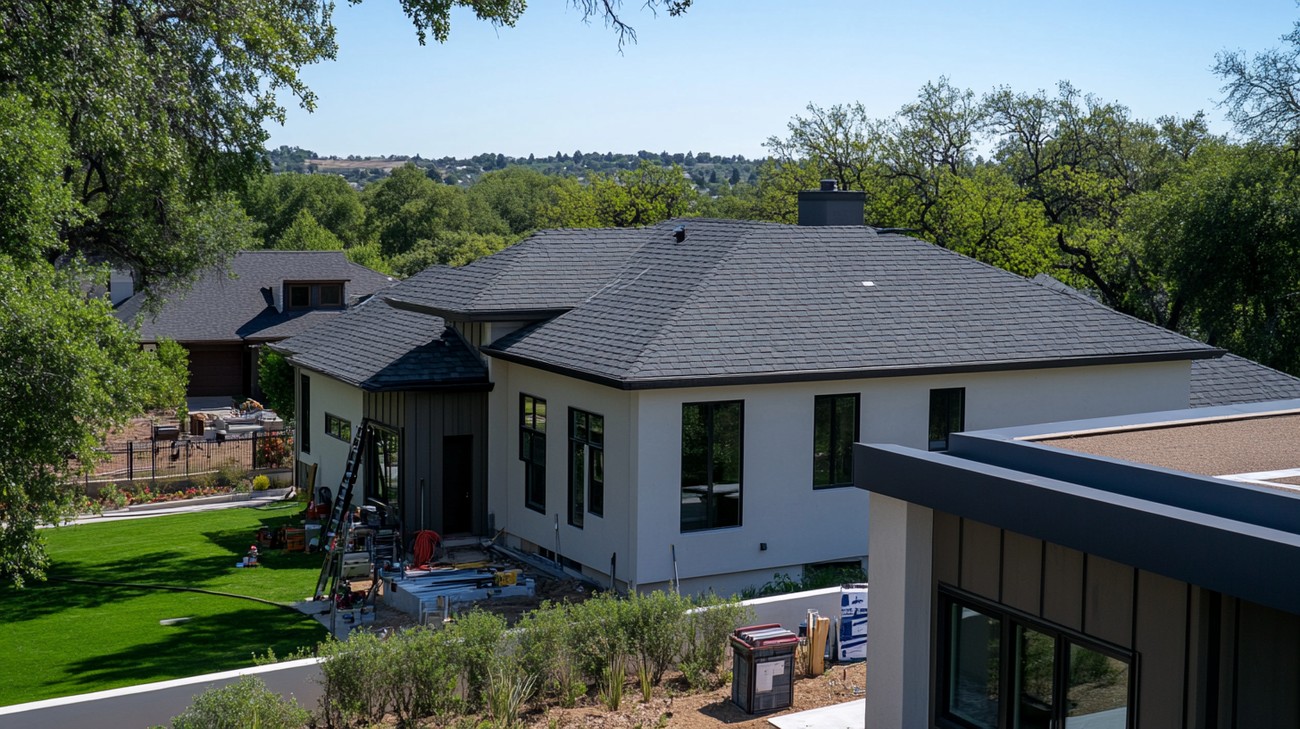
[830, 206]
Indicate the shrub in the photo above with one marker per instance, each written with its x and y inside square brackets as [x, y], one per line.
[247, 703]
[598, 635]
[422, 677]
[261, 482]
[544, 651]
[507, 692]
[110, 495]
[354, 675]
[229, 474]
[478, 637]
[653, 624]
[707, 628]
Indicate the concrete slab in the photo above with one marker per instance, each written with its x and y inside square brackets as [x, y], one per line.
[849, 715]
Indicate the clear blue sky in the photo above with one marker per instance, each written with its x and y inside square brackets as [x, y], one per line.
[731, 73]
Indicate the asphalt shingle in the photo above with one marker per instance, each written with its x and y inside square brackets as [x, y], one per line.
[750, 300]
[1231, 380]
[228, 305]
[377, 347]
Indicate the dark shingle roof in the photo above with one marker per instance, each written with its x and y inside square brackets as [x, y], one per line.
[219, 308]
[551, 271]
[1231, 380]
[742, 301]
[377, 347]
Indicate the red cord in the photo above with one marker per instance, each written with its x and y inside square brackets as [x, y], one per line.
[426, 542]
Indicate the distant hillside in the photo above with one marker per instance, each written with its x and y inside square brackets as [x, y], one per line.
[706, 170]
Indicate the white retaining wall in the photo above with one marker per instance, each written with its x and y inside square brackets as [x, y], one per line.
[154, 704]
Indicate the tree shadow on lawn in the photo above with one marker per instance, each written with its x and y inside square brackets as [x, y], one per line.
[166, 567]
[205, 644]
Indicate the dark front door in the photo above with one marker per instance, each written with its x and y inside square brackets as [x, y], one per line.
[457, 484]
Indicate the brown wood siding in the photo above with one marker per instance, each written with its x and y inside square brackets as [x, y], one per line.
[1108, 601]
[1022, 572]
[1201, 659]
[1160, 640]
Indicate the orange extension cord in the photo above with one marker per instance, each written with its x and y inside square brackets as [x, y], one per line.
[426, 543]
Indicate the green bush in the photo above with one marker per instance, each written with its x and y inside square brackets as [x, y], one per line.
[355, 676]
[545, 651]
[598, 635]
[707, 628]
[247, 703]
[478, 636]
[653, 625]
[261, 482]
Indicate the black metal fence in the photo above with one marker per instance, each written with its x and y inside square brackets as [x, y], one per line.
[139, 461]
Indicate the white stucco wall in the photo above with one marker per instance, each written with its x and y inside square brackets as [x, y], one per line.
[600, 536]
[799, 525]
[329, 395]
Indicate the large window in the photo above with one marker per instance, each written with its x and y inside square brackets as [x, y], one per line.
[711, 464]
[304, 411]
[835, 429]
[532, 450]
[1003, 670]
[586, 465]
[947, 415]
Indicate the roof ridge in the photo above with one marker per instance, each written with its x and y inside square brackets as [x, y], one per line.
[638, 363]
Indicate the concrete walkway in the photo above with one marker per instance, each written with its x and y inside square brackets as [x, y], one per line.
[190, 506]
[849, 715]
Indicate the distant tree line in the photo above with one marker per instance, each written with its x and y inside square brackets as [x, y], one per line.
[1192, 231]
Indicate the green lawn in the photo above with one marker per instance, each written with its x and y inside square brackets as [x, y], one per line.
[64, 638]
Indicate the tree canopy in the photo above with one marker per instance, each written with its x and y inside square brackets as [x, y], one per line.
[130, 132]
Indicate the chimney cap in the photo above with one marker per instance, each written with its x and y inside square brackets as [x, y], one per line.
[829, 186]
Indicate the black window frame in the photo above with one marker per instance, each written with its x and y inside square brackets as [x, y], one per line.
[834, 456]
[586, 447]
[710, 499]
[338, 427]
[1009, 660]
[320, 295]
[947, 416]
[289, 292]
[304, 410]
[532, 451]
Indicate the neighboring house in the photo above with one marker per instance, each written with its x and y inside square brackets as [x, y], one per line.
[1129, 571]
[262, 296]
[680, 401]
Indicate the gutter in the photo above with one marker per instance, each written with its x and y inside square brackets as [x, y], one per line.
[850, 374]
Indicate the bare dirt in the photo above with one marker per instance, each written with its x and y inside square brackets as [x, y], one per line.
[672, 707]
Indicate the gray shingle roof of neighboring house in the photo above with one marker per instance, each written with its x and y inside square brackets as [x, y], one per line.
[1231, 379]
[748, 302]
[551, 271]
[219, 308]
[377, 347]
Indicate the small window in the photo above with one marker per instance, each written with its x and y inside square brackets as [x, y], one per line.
[331, 295]
[712, 445]
[586, 465]
[340, 428]
[299, 297]
[835, 430]
[532, 450]
[947, 415]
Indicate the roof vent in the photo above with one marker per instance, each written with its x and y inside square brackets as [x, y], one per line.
[679, 233]
[831, 206]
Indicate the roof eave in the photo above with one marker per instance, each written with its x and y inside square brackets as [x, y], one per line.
[474, 315]
[852, 373]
